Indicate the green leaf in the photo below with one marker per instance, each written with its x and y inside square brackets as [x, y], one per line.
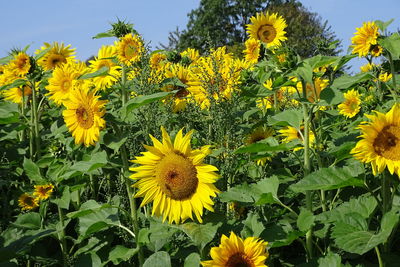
[331, 96]
[100, 72]
[97, 220]
[305, 220]
[120, 253]
[114, 142]
[330, 260]
[42, 53]
[29, 220]
[262, 147]
[103, 35]
[201, 234]
[65, 199]
[280, 236]
[193, 260]
[252, 225]
[8, 113]
[320, 61]
[383, 25]
[392, 44]
[32, 171]
[305, 72]
[97, 160]
[158, 259]
[142, 100]
[240, 193]
[349, 237]
[88, 260]
[292, 117]
[328, 179]
[16, 83]
[347, 81]
[5, 60]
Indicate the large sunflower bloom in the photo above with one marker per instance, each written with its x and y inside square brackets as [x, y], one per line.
[103, 59]
[83, 116]
[364, 37]
[267, 28]
[174, 177]
[380, 143]
[351, 105]
[234, 251]
[27, 202]
[57, 55]
[129, 49]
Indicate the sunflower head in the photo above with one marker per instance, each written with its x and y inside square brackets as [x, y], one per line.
[27, 202]
[21, 64]
[290, 134]
[84, 115]
[380, 141]
[252, 51]
[129, 49]
[173, 176]
[268, 28]
[43, 192]
[234, 251]
[364, 38]
[16, 94]
[103, 59]
[376, 50]
[351, 105]
[56, 55]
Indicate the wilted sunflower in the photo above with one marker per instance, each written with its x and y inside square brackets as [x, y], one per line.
[103, 59]
[380, 143]
[174, 177]
[83, 116]
[63, 79]
[20, 64]
[43, 192]
[234, 251]
[351, 105]
[364, 38]
[252, 51]
[57, 55]
[267, 28]
[129, 49]
[27, 202]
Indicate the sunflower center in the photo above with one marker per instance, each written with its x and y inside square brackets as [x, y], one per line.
[56, 60]
[266, 33]
[130, 51]
[65, 85]
[85, 117]
[387, 143]
[177, 176]
[29, 201]
[182, 92]
[239, 260]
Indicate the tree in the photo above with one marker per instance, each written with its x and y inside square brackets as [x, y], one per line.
[223, 22]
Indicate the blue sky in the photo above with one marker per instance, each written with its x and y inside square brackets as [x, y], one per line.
[74, 22]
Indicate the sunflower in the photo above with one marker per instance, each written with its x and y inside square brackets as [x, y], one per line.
[380, 143]
[259, 134]
[63, 79]
[103, 59]
[368, 67]
[174, 177]
[57, 55]
[15, 94]
[83, 116]
[191, 53]
[234, 251]
[252, 51]
[157, 61]
[364, 38]
[376, 50]
[385, 77]
[351, 105]
[290, 134]
[267, 28]
[43, 192]
[27, 202]
[129, 49]
[20, 64]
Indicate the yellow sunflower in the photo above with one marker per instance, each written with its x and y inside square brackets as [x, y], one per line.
[129, 49]
[57, 55]
[15, 94]
[27, 202]
[43, 192]
[268, 28]
[183, 96]
[156, 60]
[103, 59]
[174, 177]
[63, 79]
[20, 64]
[368, 67]
[385, 77]
[259, 134]
[351, 105]
[252, 51]
[191, 53]
[83, 116]
[234, 251]
[364, 38]
[290, 133]
[376, 50]
[380, 143]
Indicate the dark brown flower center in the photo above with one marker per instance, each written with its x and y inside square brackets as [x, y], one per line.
[239, 260]
[387, 142]
[177, 176]
[85, 117]
[266, 33]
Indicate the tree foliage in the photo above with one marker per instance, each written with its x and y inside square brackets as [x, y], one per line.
[223, 22]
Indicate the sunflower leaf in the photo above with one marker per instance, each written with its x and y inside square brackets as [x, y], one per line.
[158, 259]
[201, 234]
[100, 72]
[383, 25]
[392, 44]
[8, 113]
[42, 53]
[293, 117]
[32, 171]
[347, 81]
[192, 260]
[103, 35]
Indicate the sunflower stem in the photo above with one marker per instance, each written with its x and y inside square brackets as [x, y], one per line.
[61, 237]
[386, 202]
[307, 169]
[36, 135]
[393, 91]
[378, 255]
[22, 139]
[125, 169]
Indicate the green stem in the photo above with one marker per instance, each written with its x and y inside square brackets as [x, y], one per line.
[22, 139]
[378, 254]
[61, 237]
[35, 121]
[386, 202]
[393, 91]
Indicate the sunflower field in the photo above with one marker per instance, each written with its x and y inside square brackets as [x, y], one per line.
[176, 158]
